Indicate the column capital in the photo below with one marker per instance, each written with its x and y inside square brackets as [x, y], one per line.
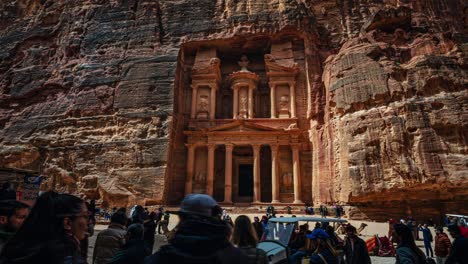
[295, 145]
[256, 146]
[190, 145]
[211, 145]
[274, 147]
[229, 146]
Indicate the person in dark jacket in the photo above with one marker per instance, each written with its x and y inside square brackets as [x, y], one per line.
[299, 246]
[355, 248]
[427, 236]
[201, 236]
[324, 253]
[407, 252]
[150, 230]
[245, 238]
[12, 216]
[111, 240]
[135, 250]
[258, 226]
[459, 252]
[51, 233]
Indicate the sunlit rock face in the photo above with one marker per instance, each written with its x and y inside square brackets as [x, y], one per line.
[91, 95]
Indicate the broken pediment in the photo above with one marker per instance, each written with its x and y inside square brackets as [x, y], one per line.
[241, 126]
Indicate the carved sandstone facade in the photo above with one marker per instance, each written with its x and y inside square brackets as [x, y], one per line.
[251, 156]
[360, 102]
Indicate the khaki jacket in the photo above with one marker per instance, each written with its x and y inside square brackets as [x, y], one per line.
[108, 242]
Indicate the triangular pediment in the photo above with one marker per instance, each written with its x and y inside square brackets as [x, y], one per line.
[241, 126]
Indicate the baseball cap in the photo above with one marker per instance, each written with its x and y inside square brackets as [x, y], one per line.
[318, 233]
[199, 204]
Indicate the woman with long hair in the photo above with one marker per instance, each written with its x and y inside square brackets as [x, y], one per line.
[245, 238]
[51, 233]
[407, 251]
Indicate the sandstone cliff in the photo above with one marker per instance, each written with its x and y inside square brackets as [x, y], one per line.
[87, 94]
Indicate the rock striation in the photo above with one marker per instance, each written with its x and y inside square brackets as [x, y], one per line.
[90, 95]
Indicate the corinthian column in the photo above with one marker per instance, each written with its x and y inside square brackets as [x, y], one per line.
[228, 174]
[296, 174]
[256, 173]
[193, 113]
[292, 92]
[210, 168]
[235, 111]
[274, 174]
[190, 165]
[272, 100]
[213, 102]
[251, 102]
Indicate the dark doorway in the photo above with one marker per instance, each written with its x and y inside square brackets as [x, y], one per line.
[246, 180]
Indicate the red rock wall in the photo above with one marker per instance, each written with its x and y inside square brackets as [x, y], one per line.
[87, 94]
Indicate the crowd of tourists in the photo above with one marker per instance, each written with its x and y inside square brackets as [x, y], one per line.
[406, 232]
[57, 228]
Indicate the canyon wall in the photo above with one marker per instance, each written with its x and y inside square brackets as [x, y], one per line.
[89, 92]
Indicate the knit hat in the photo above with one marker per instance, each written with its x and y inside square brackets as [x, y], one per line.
[199, 204]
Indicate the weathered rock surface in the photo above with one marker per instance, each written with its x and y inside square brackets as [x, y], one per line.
[87, 94]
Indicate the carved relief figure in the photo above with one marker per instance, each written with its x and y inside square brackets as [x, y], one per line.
[284, 102]
[243, 103]
[200, 176]
[287, 180]
[283, 105]
[203, 105]
[244, 62]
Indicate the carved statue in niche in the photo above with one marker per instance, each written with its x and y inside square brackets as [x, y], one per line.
[287, 181]
[244, 62]
[243, 104]
[200, 176]
[284, 102]
[203, 104]
[283, 106]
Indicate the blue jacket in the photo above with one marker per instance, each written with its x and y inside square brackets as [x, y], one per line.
[427, 235]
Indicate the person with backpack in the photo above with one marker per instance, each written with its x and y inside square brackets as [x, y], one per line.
[427, 236]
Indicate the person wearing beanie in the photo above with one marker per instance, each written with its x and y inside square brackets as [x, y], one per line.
[442, 246]
[201, 236]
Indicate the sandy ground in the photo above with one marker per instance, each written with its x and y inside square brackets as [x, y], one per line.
[373, 228]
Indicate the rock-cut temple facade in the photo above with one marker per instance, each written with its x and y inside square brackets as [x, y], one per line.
[243, 136]
[254, 102]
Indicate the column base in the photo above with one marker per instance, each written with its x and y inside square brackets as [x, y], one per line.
[298, 202]
[275, 201]
[226, 203]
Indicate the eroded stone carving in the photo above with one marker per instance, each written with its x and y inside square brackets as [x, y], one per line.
[203, 107]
